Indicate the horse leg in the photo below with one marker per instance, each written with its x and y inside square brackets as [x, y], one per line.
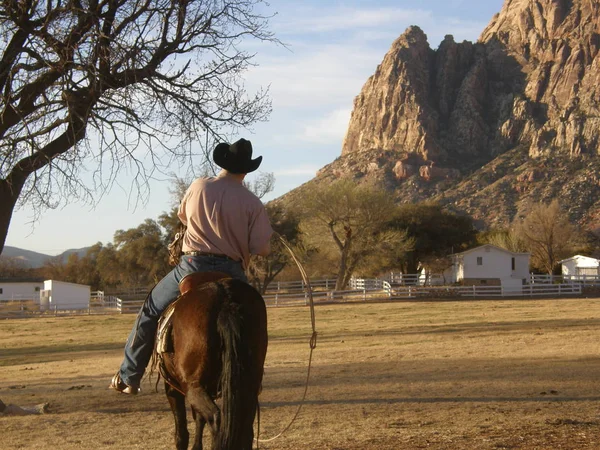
[249, 414]
[177, 402]
[200, 422]
[204, 410]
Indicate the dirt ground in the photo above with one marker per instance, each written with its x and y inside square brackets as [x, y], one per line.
[519, 374]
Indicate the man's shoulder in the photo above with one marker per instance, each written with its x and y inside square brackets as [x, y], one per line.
[220, 184]
[250, 196]
[202, 181]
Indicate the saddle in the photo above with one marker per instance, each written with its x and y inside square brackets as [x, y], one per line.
[164, 342]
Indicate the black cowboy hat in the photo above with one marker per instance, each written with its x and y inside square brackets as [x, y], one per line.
[237, 157]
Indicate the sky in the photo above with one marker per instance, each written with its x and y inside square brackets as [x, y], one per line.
[331, 49]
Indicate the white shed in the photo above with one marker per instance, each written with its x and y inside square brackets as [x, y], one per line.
[60, 295]
[491, 265]
[20, 289]
[580, 267]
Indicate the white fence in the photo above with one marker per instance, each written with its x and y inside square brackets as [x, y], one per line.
[284, 286]
[296, 293]
[588, 280]
[414, 279]
[374, 290]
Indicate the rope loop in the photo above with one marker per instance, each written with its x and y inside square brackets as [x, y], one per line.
[313, 337]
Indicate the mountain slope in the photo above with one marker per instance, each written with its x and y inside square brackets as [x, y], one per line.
[34, 260]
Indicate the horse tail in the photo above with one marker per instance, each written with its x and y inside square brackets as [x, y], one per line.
[238, 399]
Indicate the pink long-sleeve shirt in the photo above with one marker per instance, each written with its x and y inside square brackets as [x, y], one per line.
[224, 217]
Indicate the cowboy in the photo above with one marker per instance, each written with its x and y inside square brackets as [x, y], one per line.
[226, 223]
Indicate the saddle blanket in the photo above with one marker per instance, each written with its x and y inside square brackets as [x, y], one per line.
[163, 334]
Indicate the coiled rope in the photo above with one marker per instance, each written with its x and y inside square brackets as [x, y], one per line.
[313, 337]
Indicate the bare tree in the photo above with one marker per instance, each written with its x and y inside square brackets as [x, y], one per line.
[507, 239]
[262, 184]
[11, 267]
[547, 234]
[124, 83]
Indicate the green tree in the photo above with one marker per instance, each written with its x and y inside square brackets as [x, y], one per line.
[353, 222]
[105, 80]
[76, 269]
[437, 233]
[108, 266]
[141, 254]
[13, 268]
[547, 234]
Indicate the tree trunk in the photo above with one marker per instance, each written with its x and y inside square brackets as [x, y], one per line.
[12, 185]
[412, 264]
[9, 193]
[339, 282]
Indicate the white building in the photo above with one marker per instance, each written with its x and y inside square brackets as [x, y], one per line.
[580, 267]
[60, 295]
[491, 265]
[20, 289]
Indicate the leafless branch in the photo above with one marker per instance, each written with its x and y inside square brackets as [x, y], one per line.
[129, 84]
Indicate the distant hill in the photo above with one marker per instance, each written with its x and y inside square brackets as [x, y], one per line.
[34, 259]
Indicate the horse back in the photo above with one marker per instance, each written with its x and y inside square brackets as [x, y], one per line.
[198, 327]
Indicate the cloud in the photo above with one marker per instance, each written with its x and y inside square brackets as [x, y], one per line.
[318, 74]
[320, 19]
[329, 71]
[301, 171]
[331, 127]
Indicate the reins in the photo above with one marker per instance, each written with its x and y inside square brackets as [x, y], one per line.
[312, 342]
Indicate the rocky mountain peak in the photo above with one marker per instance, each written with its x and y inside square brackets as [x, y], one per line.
[556, 45]
[392, 110]
[488, 127]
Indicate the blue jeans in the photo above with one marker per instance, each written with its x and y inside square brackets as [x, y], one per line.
[140, 343]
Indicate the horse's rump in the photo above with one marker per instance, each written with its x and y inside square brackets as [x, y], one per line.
[219, 342]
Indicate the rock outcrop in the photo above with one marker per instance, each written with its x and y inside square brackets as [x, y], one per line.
[514, 117]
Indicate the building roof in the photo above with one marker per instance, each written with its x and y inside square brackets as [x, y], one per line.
[21, 280]
[579, 257]
[494, 247]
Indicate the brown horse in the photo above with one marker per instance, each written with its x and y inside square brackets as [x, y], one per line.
[216, 347]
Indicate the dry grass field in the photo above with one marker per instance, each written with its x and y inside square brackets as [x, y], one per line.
[518, 374]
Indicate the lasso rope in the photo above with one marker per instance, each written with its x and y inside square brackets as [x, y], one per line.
[312, 342]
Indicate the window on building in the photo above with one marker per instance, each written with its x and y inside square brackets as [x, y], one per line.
[512, 263]
[37, 289]
[480, 260]
[0, 290]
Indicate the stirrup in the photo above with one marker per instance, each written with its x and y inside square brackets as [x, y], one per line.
[120, 386]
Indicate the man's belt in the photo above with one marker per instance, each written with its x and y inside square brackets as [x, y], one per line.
[215, 255]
